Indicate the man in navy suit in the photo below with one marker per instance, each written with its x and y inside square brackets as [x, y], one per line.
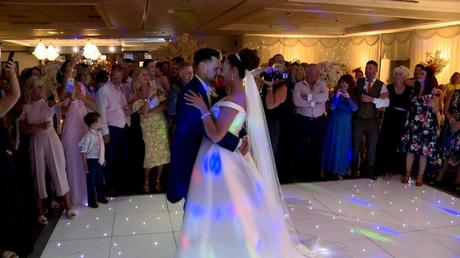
[189, 128]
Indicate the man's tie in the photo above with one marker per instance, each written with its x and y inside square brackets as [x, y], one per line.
[369, 85]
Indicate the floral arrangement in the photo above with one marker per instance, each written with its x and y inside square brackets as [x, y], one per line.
[435, 62]
[103, 63]
[49, 71]
[331, 72]
[182, 45]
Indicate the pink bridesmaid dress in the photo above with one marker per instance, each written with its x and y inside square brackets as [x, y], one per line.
[73, 129]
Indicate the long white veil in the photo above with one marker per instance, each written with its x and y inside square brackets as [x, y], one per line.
[261, 150]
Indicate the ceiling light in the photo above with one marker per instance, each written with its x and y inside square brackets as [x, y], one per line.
[112, 49]
[75, 49]
[51, 53]
[90, 51]
[40, 51]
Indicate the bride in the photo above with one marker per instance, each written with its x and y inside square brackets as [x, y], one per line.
[234, 206]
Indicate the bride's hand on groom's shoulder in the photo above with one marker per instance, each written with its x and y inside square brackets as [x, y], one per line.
[196, 100]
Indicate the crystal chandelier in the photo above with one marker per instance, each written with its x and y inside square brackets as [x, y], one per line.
[41, 52]
[90, 51]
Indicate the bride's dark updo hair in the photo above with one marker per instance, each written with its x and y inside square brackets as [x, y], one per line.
[248, 60]
[234, 61]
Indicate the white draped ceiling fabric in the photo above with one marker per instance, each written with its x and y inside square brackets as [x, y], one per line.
[357, 50]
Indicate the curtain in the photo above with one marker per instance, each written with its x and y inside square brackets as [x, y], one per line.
[356, 51]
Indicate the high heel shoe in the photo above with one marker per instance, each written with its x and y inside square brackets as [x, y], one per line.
[71, 213]
[158, 185]
[405, 179]
[42, 220]
[146, 187]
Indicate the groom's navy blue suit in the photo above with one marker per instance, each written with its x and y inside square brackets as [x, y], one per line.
[187, 140]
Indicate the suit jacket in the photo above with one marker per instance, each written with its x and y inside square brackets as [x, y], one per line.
[186, 142]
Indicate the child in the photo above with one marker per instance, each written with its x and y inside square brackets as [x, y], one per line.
[92, 152]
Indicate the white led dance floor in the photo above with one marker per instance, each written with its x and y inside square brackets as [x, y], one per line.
[353, 218]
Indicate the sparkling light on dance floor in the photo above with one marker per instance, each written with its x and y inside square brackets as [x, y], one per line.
[353, 218]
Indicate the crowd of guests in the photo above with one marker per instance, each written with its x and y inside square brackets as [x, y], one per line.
[106, 133]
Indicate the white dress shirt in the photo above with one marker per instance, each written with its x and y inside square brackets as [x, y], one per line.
[310, 101]
[110, 101]
[92, 144]
[206, 88]
[379, 102]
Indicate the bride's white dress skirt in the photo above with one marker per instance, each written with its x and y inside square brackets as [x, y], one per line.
[228, 212]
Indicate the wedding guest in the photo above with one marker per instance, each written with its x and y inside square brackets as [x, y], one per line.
[111, 104]
[74, 108]
[421, 131]
[185, 75]
[392, 129]
[418, 68]
[451, 141]
[92, 154]
[310, 96]
[278, 59]
[128, 70]
[46, 151]
[337, 150]
[371, 94]
[454, 83]
[174, 74]
[15, 234]
[165, 68]
[160, 77]
[358, 73]
[151, 103]
[273, 97]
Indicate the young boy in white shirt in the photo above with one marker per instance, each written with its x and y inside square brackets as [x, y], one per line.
[93, 152]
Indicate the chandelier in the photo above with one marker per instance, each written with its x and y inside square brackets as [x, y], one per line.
[90, 51]
[41, 52]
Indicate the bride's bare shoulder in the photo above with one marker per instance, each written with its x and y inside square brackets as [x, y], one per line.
[238, 99]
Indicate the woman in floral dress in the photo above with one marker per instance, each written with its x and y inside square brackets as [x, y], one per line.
[451, 146]
[422, 130]
[150, 103]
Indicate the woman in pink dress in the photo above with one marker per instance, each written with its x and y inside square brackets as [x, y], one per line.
[46, 152]
[74, 108]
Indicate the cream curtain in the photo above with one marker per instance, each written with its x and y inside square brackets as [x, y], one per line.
[356, 51]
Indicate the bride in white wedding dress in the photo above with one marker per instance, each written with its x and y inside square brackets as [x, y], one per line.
[234, 207]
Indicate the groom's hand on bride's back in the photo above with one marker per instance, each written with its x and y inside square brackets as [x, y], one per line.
[244, 148]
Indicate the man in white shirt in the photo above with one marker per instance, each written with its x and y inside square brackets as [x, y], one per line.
[310, 97]
[112, 105]
[372, 95]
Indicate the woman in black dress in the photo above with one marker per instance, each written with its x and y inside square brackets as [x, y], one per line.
[388, 159]
[15, 236]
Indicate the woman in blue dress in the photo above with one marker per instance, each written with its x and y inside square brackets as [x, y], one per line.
[337, 151]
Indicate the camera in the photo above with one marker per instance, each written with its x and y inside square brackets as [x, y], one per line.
[275, 72]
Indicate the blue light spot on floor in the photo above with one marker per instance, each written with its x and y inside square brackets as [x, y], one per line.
[387, 230]
[360, 202]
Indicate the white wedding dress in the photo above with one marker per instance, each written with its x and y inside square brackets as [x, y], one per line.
[230, 212]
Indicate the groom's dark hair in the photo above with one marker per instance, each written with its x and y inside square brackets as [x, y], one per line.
[205, 54]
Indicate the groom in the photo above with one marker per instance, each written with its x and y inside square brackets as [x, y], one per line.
[189, 129]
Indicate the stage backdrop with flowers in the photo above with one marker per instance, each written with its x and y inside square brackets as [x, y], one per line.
[356, 51]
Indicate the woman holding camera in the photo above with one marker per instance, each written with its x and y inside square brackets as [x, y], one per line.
[274, 95]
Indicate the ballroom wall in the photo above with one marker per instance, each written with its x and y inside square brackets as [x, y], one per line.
[356, 51]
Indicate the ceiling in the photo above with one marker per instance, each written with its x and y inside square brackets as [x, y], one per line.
[137, 21]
